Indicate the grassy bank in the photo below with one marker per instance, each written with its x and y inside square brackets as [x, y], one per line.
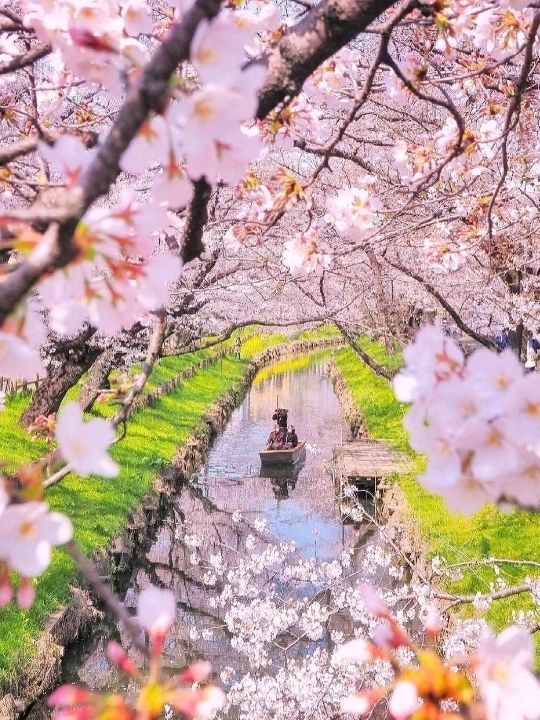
[98, 507]
[489, 533]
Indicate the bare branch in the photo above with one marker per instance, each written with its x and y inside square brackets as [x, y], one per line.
[370, 362]
[28, 58]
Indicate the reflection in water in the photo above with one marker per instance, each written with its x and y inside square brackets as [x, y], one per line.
[219, 515]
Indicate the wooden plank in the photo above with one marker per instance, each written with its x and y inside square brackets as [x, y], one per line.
[368, 459]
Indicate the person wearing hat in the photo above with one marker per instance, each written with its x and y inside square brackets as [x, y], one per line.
[280, 416]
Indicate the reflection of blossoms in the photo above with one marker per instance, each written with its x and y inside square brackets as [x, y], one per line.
[187, 693]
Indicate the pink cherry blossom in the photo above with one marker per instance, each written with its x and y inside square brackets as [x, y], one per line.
[151, 147]
[372, 600]
[153, 286]
[467, 495]
[27, 533]
[505, 673]
[353, 212]
[491, 378]
[306, 254]
[355, 651]
[84, 444]
[213, 139]
[523, 424]
[137, 17]
[217, 49]
[432, 359]
[4, 497]
[69, 156]
[26, 594]
[403, 701]
[172, 187]
[156, 610]
[18, 360]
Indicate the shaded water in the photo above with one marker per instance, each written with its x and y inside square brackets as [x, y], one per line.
[299, 505]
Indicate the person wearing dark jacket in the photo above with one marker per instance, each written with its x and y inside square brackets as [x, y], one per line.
[292, 438]
[275, 440]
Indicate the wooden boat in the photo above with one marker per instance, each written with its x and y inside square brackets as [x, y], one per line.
[283, 457]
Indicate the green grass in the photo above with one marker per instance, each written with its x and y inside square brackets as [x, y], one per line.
[99, 508]
[489, 533]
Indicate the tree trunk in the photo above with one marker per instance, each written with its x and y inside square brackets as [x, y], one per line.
[98, 378]
[515, 339]
[52, 390]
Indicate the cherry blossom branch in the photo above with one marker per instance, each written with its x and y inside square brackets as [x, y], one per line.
[513, 108]
[493, 561]
[11, 152]
[362, 96]
[369, 361]
[322, 32]
[154, 351]
[28, 58]
[496, 595]
[456, 317]
[226, 334]
[107, 596]
[149, 95]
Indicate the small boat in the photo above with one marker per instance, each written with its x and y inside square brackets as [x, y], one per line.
[283, 457]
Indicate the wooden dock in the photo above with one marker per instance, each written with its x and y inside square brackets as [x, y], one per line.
[364, 462]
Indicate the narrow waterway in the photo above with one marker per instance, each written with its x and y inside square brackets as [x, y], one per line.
[223, 510]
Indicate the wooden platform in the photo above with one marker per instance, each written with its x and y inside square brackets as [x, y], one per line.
[367, 461]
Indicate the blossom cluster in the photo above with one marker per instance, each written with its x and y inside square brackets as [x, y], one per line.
[188, 694]
[478, 421]
[427, 686]
[353, 211]
[28, 528]
[28, 532]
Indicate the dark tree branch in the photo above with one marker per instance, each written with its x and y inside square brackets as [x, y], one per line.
[11, 152]
[370, 362]
[322, 32]
[456, 317]
[191, 245]
[28, 58]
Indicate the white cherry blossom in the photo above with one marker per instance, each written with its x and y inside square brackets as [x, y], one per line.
[83, 444]
[28, 531]
[18, 359]
[504, 670]
[156, 610]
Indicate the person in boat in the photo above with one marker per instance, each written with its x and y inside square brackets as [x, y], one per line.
[275, 439]
[280, 416]
[291, 441]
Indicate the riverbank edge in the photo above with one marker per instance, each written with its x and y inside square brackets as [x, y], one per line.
[73, 619]
[395, 511]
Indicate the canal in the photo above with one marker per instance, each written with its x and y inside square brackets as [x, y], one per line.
[228, 511]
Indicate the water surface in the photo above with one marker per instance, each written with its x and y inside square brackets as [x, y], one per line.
[224, 504]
